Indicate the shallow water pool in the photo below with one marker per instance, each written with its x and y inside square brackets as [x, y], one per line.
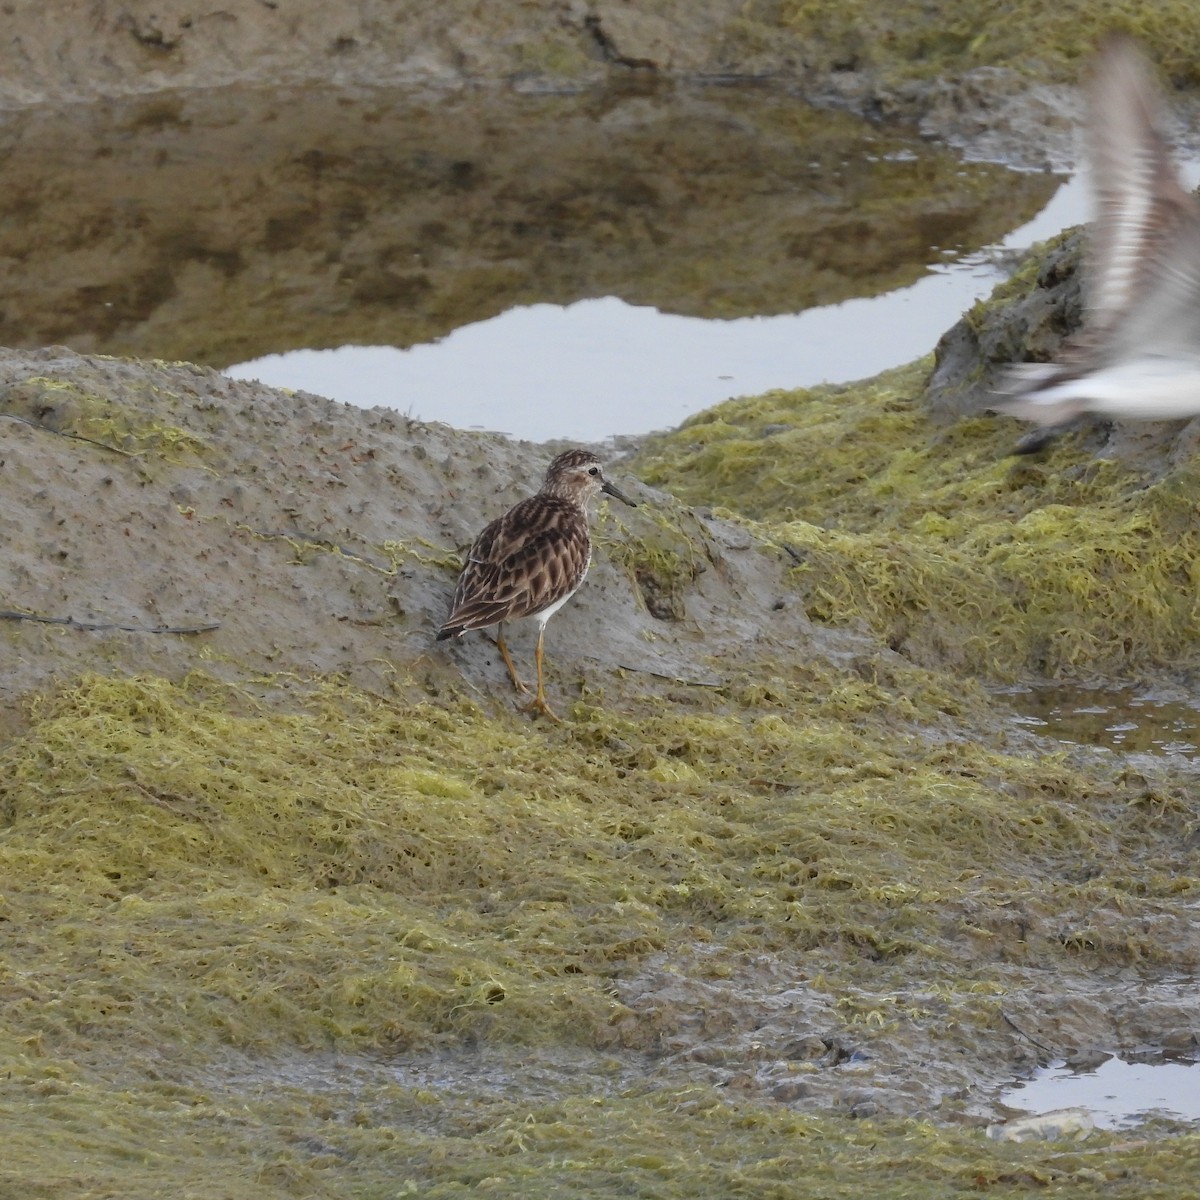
[1116, 1094]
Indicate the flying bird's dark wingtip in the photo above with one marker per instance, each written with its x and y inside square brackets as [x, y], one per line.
[1045, 435]
[1031, 443]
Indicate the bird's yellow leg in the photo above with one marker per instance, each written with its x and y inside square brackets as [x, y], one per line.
[538, 703]
[502, 646]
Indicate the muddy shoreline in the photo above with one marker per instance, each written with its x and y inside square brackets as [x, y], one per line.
[152, 497]
[91, 54]
[298, 893]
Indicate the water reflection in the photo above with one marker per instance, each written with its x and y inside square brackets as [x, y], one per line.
[599, 367]
[1126, 719]
[224, 226]
[1116, 1094]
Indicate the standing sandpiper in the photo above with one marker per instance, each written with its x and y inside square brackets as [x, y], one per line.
[531, 561]
[1138, 353]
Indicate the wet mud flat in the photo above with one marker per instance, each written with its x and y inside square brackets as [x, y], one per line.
[302, 902]
[296, 904]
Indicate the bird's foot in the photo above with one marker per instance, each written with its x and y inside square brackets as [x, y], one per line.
[538, 705]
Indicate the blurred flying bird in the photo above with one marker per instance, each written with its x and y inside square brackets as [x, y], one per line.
[1138, 352]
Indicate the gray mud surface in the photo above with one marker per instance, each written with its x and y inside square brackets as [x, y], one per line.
[159, 519]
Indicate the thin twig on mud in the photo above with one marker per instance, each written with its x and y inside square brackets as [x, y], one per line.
[78, 437]
[72, 623]
[1026, 1036]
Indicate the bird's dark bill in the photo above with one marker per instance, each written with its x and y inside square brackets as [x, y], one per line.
[613, 490]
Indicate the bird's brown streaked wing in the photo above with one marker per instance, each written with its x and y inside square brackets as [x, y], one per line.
[517, 567]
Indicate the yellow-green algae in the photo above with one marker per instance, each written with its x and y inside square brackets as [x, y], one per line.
[74, 411]
[916, 39]
[295, 1141]
[945, 546]
[660, 562]
[194, 870]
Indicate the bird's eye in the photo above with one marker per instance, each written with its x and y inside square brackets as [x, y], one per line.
[593, 470]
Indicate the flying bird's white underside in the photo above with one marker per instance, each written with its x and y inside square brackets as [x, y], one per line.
[1148, 387]
[1138, 355]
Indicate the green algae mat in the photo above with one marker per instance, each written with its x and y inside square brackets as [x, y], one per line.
[231, 931]
[784, 929]
[906, 41]
[949, 549]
